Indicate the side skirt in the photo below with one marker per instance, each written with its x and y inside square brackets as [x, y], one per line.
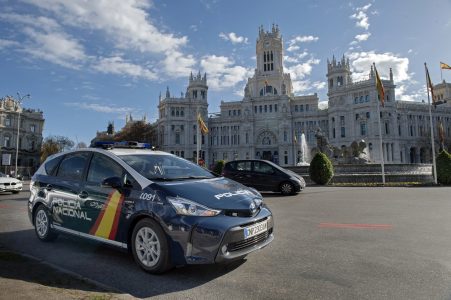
[88, 236]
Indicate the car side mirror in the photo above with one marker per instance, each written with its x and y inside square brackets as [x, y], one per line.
[113, 182]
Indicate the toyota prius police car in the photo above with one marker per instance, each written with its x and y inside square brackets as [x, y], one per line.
[166, 210]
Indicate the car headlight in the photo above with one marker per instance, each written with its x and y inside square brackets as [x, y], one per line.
[187, 207]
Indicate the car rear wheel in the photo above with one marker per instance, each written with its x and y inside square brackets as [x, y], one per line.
[150, 247]
[287, 188]
[42, 224]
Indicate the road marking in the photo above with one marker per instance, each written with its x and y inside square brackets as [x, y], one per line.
[358, 226]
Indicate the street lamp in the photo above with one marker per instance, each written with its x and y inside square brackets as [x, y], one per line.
[19, 101]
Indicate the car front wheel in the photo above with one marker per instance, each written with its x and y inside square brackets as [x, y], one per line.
[42, 224]
[150, 247]
[287, 188]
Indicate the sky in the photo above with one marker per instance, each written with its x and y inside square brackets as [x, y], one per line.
[87, 63]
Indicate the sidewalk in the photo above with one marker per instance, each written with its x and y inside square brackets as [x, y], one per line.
[23, 277]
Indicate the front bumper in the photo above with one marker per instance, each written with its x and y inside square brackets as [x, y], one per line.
[10, 187]
[216, 239]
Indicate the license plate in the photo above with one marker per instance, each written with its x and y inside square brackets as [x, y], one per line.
[255, 229]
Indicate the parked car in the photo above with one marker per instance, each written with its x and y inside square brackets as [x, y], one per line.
[166, 210]
[9, 184]
[264, 175]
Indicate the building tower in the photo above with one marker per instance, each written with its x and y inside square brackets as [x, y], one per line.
[338, 73]
[197, 87]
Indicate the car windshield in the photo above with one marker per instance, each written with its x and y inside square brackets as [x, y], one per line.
[165, 167]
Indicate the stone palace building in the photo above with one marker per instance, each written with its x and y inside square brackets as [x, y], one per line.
[269, 121]
[30, 137]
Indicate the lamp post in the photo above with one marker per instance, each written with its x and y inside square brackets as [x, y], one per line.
[19, 101]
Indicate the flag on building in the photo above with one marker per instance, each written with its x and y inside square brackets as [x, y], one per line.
[202, 126]
[380, 87]
[444, 66]
[430, 86]
[441, 133]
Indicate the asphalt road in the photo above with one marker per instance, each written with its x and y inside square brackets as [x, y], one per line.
[330, 243]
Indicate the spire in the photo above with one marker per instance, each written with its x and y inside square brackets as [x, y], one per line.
[191, 76]
[168, 95]
[371, 72]
[391, 75]
[159, 97]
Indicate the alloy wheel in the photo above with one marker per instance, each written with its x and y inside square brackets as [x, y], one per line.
[147, 245]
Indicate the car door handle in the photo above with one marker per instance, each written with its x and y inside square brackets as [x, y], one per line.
[83, 195]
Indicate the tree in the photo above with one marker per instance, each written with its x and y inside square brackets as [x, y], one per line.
[54, 144]
[81, 145]
[444, 168]
[138, 131]
[321, 169]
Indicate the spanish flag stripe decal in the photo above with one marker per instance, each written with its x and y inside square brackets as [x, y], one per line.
[105, 224]
[116, 219]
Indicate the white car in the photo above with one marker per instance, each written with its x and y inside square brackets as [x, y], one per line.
[9, 184]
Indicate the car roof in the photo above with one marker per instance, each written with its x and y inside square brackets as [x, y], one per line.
[131, 151]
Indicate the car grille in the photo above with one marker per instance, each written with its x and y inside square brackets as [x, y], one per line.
[248, 242]
[9, 183]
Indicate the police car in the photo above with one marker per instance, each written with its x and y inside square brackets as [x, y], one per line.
[166, 210]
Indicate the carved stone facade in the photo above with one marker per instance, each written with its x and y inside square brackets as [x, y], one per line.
[30, 138]
[266, 121]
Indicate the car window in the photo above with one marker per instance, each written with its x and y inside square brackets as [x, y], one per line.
[50, 166]
[102, 167]
[262, 167]
[244, 166]
[72, 166]
[164, 167]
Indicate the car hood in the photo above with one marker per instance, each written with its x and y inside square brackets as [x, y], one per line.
[218, 193]
[8, 179]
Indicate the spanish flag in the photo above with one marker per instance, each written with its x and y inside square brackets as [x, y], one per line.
[379, 87]
[441, 133]
[430, 86]
[444, 66]
[202, 126]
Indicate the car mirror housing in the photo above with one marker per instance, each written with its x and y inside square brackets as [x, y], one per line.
[113, 182]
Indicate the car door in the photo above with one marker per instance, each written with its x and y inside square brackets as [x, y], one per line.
[242, 172]
[104, 204]
[62, 192]
[264, 176]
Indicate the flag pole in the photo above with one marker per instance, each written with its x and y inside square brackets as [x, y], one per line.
[430, 123]
[198, 138]
[381, 148]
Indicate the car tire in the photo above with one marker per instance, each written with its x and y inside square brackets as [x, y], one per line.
[287, 188]
[150, 247]
[42, 224]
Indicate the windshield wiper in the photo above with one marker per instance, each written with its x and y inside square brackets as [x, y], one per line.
[161, 178]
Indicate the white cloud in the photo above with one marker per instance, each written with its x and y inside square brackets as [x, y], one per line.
[176, 64]
[362, 61]
[222, 73]
[233, 38]
[7, 43]
[47, 41]
[293, 43]
[300, 71]
[126, 22]
[116, 65]
[102, 108]
[361, 16]
[303, 39]
[362, 37]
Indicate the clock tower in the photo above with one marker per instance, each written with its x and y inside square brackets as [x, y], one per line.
[269, 78]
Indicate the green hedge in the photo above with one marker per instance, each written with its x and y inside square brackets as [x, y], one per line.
[321, 169]
[219, 166]
[444, 168]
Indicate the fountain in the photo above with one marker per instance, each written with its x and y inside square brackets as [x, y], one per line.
[305, 153]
